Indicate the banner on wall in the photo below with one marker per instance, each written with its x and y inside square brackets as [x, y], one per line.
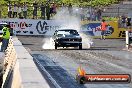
[112, 31]
[47, 27]
[93, 29]
[39, 27]
[31, 26]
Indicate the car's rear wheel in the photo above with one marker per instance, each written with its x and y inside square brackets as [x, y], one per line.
[80, 47]
[55, 46]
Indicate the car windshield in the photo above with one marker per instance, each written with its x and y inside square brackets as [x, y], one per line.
[67, 32]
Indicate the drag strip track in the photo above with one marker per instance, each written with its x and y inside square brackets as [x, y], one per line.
[59, 67]
[56, 74]
[64, 64]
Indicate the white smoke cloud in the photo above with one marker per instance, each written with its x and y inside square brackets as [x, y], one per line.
[68, 22]
[48, 43]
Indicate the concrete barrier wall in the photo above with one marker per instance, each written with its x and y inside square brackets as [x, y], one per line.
[24, 74]
[9, 61]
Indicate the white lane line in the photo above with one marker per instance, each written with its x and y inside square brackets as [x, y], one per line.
[49, 76]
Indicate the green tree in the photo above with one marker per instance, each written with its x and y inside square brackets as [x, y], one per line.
[94, 3]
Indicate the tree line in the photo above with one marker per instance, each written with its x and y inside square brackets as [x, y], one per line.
[80, 3]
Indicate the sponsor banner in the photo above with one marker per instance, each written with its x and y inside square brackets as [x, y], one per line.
[47, 27]
[112, 31]
[38, 27]
[31, 26]
[93, 29]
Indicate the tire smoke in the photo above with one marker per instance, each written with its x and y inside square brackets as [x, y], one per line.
[69, 21]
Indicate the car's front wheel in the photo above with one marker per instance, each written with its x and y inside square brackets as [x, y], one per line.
[55, 46]
[80, 47]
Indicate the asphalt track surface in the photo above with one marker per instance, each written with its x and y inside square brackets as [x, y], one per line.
[59, 67]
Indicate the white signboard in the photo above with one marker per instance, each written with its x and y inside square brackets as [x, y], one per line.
[31, 26]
